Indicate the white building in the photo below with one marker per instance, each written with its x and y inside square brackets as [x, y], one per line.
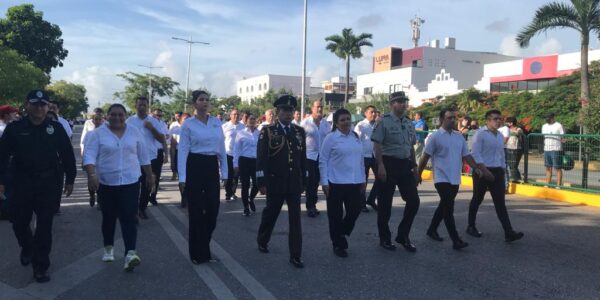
[530, 74]
[251, 88]
[425, 72]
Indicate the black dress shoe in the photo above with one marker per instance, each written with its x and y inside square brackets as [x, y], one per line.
[25, 257]
[434, 235]
[92, 200]
[143, 215]
[405, 242]
[263, 248]
[246, 212]
[341, 252]
[513, 236]
[459, 244]
[154, 202]
[365, 209]
[387, 246]
[297, 262]
[317, 212]
[252, 205]
[472, 231]
[372, 204]
[41, 276]
[311, 213]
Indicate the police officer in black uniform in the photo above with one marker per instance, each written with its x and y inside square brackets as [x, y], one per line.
[281, 174]
[37, 146]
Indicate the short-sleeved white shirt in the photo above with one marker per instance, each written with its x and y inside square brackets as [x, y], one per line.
[552, 143]
[149, 139]
[446, 151]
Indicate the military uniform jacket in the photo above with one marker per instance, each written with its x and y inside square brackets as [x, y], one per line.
[36, 151]
[281, 159]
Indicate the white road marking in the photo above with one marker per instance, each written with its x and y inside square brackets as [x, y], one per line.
[240, 273]
[210, 278]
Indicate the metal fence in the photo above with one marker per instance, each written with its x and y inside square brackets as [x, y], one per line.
[576, 156]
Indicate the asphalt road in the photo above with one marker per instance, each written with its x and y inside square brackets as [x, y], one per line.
[556, 259]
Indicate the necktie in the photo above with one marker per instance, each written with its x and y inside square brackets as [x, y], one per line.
[286, 129]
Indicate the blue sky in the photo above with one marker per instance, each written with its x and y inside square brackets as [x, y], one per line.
[251, 37]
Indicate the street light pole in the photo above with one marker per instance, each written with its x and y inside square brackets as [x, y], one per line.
[150, 82]
[303, 61]
[187, 85]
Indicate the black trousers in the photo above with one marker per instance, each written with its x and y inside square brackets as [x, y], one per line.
[60, 185]
[513, 159]
[157, 170]
[312, 185]
[496, 188]
[247, 173]
[202, 191]
[445, 210]
[232, 181]
[174, 159]
[145, 195]
[342, 196]
[34, 195]
[371, 164]
[399, 174]
[270, 215]
[119, 202]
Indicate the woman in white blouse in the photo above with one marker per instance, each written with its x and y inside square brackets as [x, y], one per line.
[244, 161]
[343, 179]
[201, 152]
[112, 158]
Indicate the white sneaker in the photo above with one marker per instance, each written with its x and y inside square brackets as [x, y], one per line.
[109, 255]
[131, 261]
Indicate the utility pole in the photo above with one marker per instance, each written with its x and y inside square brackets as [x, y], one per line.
[150, 83]
[187, 85]
[304, 60]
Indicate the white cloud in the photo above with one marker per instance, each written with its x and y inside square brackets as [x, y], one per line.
[549, 46]
[509, 46]
[100, 83]
[213, 8]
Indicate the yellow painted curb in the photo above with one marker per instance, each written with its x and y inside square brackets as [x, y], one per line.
[547, 193]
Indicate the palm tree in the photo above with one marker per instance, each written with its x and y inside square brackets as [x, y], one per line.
[581, 15]
[348, 46]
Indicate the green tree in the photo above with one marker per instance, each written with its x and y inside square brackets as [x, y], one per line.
[138, 85]
[17, 77]
[347, 46]
[581, 15]
[71, 97]
[25, 30]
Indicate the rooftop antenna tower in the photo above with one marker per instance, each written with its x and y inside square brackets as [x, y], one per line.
[416, 24]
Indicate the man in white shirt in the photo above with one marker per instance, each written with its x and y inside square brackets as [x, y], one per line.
[268, 119]
[488, 152]
[149, 128]
[505, 131]
[230, 130]
[90, 125]
[364, 129]
[316, 129]
[447, 148]
[553, 148]
[174, 129]
[55, 107]
[160, 155]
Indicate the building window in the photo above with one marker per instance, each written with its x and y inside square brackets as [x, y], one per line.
[542, 84]
[247, 89]
[368, 91]
[252, 88]
[494, 87]
[532, 85]
[265, 85]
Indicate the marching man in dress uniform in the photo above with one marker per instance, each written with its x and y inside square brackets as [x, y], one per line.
[281, 174]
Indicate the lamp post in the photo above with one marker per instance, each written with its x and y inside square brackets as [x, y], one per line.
[187, 85]
[303, 60]
[150, 82]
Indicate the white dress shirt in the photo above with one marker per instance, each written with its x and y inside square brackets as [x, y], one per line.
[314, 136]
[341, 159]
[175, 130]
[199, 138]
[364, 129]
[164, 130]
[245, 145]
[88, 127]
[66, 126]
[488, 149]
[117, 160]
[149, 139]
[230, 130]
[446, 150]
